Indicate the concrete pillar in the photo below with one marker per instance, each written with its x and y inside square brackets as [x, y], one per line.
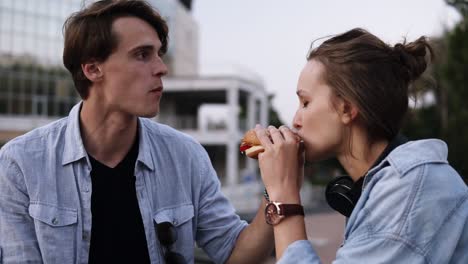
[251, 122]
[264, 110]
[232, 150]
[251, 111]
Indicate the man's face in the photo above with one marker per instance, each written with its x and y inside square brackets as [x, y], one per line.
[131, 82]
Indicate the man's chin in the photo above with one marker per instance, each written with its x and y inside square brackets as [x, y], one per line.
[149, 114]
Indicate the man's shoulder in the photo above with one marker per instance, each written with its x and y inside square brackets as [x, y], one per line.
[34, 139]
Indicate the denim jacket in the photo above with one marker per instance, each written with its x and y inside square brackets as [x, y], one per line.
[413, 209]
[45, 195]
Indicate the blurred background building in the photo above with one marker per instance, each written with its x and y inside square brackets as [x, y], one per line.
[36, 89]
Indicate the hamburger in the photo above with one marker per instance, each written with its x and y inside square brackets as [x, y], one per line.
[250, 145]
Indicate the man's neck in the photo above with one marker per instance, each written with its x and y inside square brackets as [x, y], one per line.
[107, 135]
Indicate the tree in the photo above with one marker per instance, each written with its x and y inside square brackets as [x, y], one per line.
[448, 117]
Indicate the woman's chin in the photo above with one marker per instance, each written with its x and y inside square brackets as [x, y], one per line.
[316, 157]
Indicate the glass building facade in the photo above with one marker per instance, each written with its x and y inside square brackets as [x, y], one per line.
[33, 80]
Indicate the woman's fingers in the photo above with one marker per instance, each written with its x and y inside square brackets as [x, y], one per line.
[262, 135]
[289, 135]
[272, 135]
[275, 135]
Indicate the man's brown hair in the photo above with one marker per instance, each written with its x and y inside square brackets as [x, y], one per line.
[88, 34]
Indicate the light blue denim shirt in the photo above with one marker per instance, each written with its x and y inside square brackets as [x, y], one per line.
[413, 209]
[45, 195]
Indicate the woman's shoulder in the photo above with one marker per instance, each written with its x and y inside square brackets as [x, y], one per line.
[415, 153]
[415, 194]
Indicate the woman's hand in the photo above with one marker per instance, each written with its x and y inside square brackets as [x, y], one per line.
[281, 164]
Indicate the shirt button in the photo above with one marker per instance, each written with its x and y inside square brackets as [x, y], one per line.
[55, 221]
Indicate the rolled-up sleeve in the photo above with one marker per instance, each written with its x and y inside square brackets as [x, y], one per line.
[218, 224]
[300, 251]
[18, 243]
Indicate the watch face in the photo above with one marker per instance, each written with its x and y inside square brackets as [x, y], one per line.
[271, 214]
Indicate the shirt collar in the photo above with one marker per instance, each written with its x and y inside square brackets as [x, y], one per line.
[74, 148]
[145, 150]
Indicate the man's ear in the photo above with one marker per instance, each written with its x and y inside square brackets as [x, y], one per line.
[348, 111]
[92, 71]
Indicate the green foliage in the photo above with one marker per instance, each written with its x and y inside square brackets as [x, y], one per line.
[448, 118]
[454, 74]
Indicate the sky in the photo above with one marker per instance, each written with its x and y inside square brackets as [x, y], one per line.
[269, 39]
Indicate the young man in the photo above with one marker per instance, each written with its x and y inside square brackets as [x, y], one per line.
[105, 185]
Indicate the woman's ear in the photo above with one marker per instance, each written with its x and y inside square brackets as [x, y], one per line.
[92, 71]
[348, 111]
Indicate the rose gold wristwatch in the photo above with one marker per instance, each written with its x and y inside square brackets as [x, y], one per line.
[275, 211]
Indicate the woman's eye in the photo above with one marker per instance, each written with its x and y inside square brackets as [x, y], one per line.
[304, 104]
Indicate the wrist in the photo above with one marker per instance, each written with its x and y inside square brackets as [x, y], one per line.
[284, 196]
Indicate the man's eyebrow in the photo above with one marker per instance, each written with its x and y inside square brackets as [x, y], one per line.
[300, 92]
[142, 47]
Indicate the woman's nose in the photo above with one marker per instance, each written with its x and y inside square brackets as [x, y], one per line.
[297, 121]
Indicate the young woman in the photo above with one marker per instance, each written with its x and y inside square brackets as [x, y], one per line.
[405, 203]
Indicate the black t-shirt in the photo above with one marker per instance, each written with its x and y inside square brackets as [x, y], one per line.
[117, 234]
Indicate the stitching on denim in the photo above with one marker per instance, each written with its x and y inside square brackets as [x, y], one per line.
[417, 163]
[412, 199]
[18, 173]
[369, 226]
[172, 207]
[394, 237]
[451, 213]
[54, 205]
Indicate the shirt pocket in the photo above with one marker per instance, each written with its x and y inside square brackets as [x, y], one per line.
[181, 217]
[55, 229]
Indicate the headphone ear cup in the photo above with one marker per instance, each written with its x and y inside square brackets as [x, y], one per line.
[338, 195]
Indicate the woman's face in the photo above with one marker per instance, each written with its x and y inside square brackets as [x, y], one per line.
[318, 122]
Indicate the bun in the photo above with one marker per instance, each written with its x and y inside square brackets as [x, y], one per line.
[253, 152]
[251, 138]
[251, 145]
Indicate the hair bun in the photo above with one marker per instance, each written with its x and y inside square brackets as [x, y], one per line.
[413, 57]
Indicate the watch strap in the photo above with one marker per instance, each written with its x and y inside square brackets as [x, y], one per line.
[291, 209]
[265, 194]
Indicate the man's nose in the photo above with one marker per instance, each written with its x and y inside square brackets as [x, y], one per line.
[160, 68]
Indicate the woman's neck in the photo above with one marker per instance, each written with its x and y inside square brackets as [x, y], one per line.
[361, 155]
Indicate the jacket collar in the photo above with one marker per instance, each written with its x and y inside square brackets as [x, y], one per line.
[412, 154]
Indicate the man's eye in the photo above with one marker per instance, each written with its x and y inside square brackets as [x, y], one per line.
[142, 55]
[304, 104]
